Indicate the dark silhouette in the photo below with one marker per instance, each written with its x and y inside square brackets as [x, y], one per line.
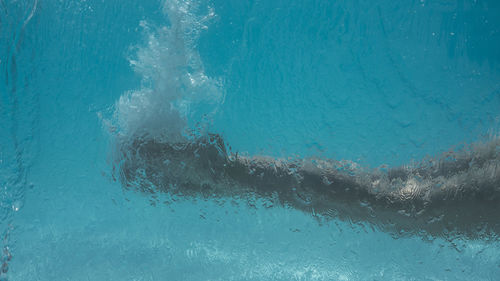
[457, 194]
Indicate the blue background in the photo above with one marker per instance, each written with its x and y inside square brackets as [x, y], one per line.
[377, 82]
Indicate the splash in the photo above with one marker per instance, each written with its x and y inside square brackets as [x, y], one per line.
[176, 97]
[457, 194]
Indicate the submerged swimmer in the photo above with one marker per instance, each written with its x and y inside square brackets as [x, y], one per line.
[458, 195]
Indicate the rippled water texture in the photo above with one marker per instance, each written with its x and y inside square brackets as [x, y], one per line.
[249, 140]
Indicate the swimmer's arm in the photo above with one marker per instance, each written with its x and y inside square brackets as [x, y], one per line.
[429, 198]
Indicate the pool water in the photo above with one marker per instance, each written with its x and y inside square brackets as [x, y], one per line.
[381, 83]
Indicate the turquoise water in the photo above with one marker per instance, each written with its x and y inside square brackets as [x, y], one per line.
[375, 82]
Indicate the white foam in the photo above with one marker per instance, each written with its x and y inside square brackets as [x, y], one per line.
[175, 94]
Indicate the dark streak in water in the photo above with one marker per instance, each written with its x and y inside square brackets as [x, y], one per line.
[455, 195]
